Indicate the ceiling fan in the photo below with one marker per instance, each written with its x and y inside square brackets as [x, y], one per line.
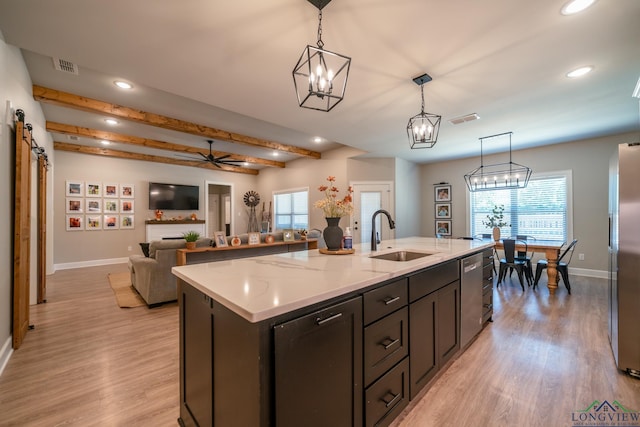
[217, 161]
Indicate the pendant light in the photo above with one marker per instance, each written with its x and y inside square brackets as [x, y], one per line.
[423, 128]
[499, 176]
[320, 76]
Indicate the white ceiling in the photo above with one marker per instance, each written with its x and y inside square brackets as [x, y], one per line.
[228, 64]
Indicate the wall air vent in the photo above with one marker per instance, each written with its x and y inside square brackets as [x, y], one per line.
[468, 118]
[65, 66]
[73, 138]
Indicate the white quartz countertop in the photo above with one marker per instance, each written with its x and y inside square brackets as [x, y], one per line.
[263, 287]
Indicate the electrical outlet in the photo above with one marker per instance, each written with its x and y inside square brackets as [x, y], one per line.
[129, 248]
[581, 257]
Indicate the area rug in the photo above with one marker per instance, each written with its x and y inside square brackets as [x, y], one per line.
[126, 295]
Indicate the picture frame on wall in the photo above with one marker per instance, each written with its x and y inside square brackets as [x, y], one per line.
[126, 191]
[126, 222]
[94, 189]
[74, 205]
[254, 238]
[110, 206]
[74, 188]
[110, 222]
[443, 227]
[443, 211]
[110, 189]
[75, 222]
[220, 238]
[94, 222]
[126, 206]
[93, 206]
[442, 193]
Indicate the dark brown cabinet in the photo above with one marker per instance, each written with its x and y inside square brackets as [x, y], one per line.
[356, 360]
[318, 368]
[196, 365]
[386, 347]
[487, 284]
[434, 316]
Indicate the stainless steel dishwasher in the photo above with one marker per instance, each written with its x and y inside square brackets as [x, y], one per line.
[470, 298]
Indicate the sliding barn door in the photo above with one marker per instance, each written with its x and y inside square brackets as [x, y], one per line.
[22, 234]
[42, 230]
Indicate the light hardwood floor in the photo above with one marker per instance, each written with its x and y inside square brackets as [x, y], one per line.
[90, 363]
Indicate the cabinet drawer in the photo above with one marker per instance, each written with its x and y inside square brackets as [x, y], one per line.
[487, 303]
[388, 396]
[384, 300]
[386, 342]
[432, 279]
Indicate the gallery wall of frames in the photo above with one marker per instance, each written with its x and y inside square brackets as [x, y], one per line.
[94, 206]
[442, 195]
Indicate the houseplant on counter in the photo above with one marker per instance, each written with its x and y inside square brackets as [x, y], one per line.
[334, 208]
[191, 237]
[495, 221]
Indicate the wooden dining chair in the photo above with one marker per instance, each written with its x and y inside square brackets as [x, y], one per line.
[510, 262]
[563, 266]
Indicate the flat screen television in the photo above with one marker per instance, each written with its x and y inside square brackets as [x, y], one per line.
[174, 197]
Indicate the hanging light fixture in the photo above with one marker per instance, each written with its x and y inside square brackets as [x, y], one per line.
[499, 176]
[423, 128]
[320, 77]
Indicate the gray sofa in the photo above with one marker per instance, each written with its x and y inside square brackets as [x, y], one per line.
[151, 276]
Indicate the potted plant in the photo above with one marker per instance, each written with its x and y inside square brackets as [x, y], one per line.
[496, 220]
[191, 237]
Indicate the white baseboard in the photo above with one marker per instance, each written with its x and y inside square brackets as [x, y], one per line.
[92, 263]
[600, 274]
[5, 353]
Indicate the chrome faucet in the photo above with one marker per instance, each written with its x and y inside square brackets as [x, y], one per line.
[374, 238]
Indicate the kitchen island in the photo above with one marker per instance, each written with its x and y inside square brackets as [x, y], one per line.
[310, 339]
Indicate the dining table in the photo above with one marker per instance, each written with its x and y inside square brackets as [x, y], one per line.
[551, 250]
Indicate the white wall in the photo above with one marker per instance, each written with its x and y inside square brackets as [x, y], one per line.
[73, 248]
[15, 85]
[311, 174]
[589, 162]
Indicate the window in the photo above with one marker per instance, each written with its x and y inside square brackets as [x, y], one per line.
[542, 210]
[291, 209]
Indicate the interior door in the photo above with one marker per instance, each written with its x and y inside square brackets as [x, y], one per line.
[42, 230]
[21, 234]
[368, 197]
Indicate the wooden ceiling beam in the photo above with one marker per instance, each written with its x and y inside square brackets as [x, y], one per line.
[69, 100]
[75, 148]
[150, 143]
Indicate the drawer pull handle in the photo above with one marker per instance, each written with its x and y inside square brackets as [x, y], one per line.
[387, 343]
[391, 300]
[320, 321]
[394, 397]
[489, 306]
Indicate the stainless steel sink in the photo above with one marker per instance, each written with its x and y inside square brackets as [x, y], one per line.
[401, 255]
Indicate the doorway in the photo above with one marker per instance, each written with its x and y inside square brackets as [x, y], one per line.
[368, 197]
[218, 197]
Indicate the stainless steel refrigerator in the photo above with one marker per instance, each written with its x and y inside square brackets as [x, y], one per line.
[624, 257]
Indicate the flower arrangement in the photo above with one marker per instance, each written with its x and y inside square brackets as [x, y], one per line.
[331, 204]
[496, 219]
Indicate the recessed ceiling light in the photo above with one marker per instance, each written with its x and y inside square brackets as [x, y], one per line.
[105, 142]
[123, 85]
[111, 122]
[575, 6]
[317, 140]
[275, 154]
[579, 72]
